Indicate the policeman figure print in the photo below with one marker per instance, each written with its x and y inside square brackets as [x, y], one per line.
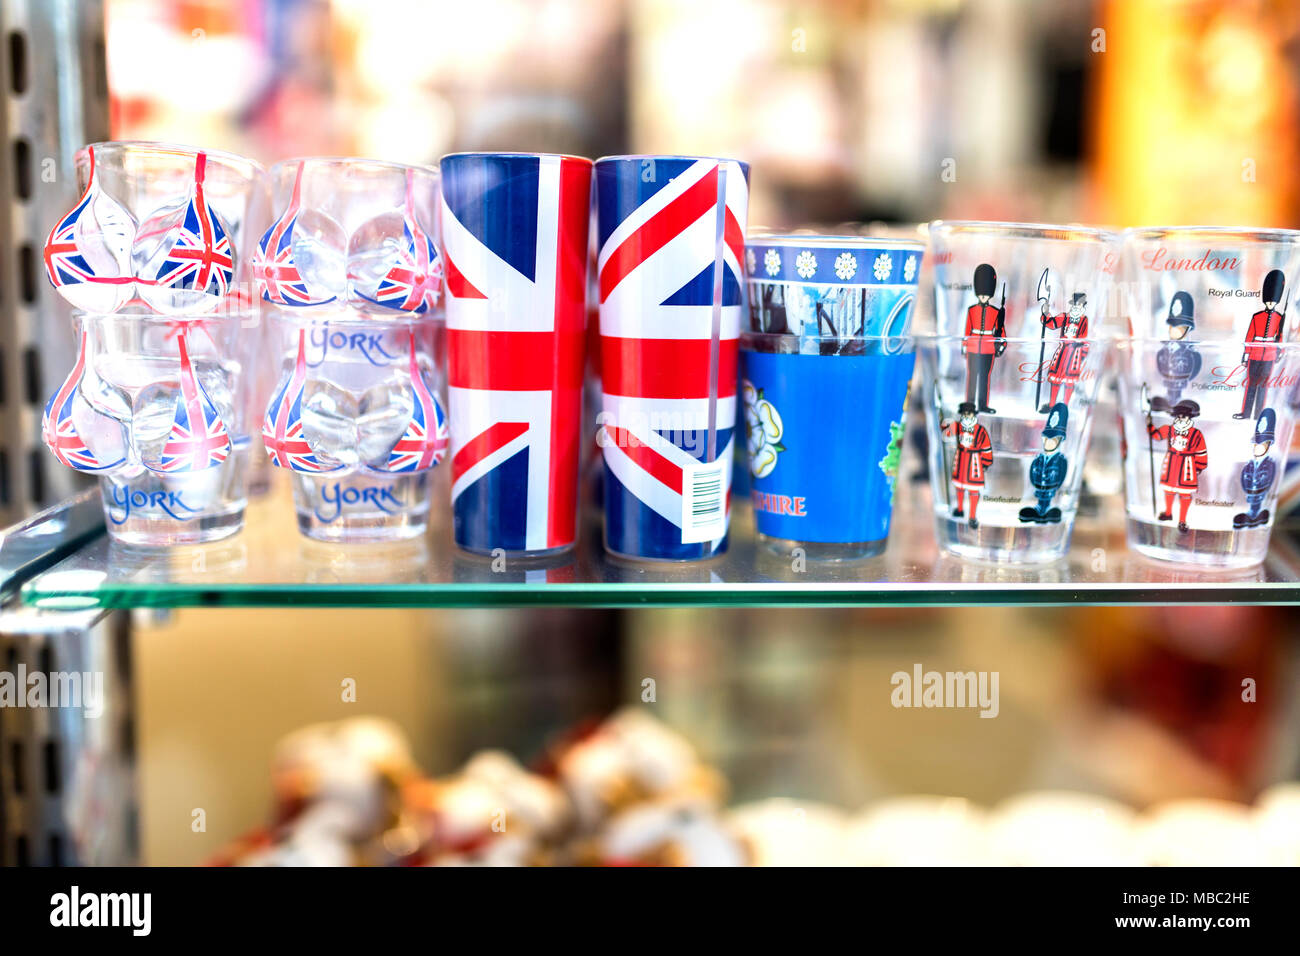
[1186, 458]
[1258, 474]
[1178, 362]
[1067, 364]
[984, 336]
[972, 461]
[1262, 336]
[1047, 470]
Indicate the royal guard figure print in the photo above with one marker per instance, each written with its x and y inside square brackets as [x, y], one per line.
[1048, 469]
[1067, 362]
[1187, 456]
[973, 459]
[1258, 474]
[1178, 362]
[985, 336]
[1262, 336]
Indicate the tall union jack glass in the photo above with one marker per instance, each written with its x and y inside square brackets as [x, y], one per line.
[350, 271]
[153, 257]
[514, 233]
[671, 281]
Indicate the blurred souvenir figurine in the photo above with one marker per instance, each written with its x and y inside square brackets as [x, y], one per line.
[1258, 474]
[1262, 336]
[973, 459]
[985, 328]
[1047, 473]
[1067, 363]
[1178, 362]
[1185, 459]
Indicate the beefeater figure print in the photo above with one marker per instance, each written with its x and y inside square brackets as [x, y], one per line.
[1072, 351]
[1187, 456]
[973, 459]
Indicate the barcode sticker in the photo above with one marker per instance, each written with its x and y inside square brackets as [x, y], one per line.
[704, 501]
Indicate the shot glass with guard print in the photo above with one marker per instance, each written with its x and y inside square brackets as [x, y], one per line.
[1202, 481]
[154, 255]
[350, 275]
[1006, 484]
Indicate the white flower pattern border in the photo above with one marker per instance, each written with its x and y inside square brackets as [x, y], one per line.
[805, 264]
[772, 262]
[846, 265]
[884, 265]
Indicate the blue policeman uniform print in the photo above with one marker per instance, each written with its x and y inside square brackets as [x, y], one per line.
[1178, 362]
[1258, 474]
[1048, 469]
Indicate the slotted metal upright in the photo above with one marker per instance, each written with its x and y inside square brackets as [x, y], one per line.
[66, 790]
[55, 100]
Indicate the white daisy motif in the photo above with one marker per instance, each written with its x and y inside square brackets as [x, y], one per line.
[909, 269]
[884, 265]
[805, 264]
[846, 265]
[749, 260]
[772, 262]
[763, 430]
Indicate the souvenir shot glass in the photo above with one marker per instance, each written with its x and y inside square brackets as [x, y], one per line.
[1006, 482]
[514, 233]
[829, 291]
[1201, 480]
[351, 276]
[152, 256]
[671, 279]
[827, 360]
[354, 417]
[824, 431]
[1208, 309]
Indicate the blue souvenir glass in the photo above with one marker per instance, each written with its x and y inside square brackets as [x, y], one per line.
[823, 433]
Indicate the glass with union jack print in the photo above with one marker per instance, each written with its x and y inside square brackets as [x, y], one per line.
[152, 254]
[514, 234]
[350, 275]
[671, 281]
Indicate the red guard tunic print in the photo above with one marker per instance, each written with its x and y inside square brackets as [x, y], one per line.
[1067, 363]
[974, 455]
[1186, 458]
[1266, 327]
[981, 324]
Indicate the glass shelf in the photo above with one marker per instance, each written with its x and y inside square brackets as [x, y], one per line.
[270, 564]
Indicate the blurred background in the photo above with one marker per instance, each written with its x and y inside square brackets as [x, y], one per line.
[1141, 111]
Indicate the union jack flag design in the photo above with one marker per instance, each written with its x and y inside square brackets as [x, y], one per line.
[424, 442]
[198, 439]
[58, 430]
[282, 431]
[414, 280]
[514, 237]
[669, 324]
[201, 257]
[274, 269]
[68, 264]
